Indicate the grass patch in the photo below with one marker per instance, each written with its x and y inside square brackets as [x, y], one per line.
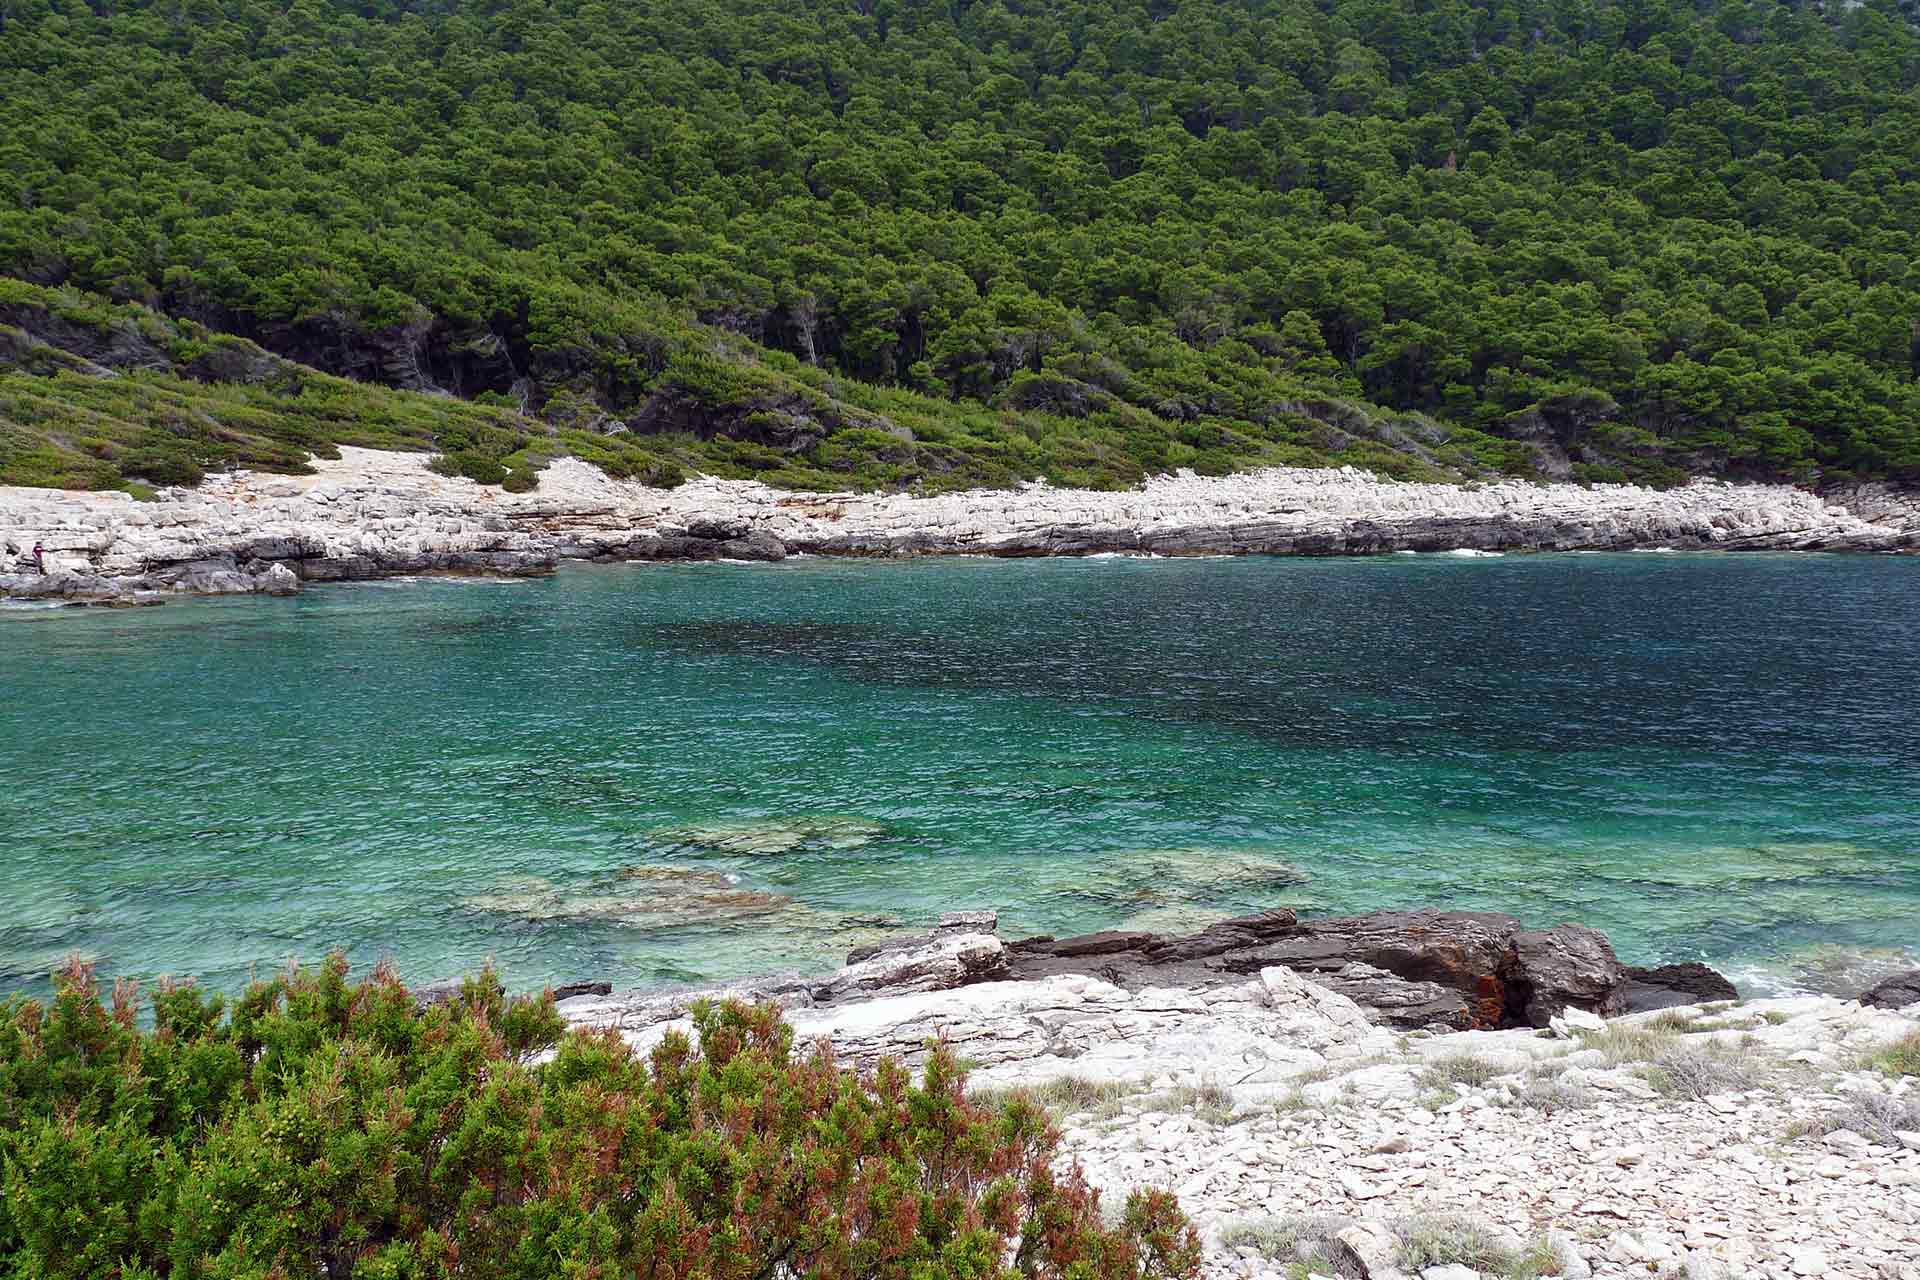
[1901, 1058]
[1208, 1102]
[1068, 1095]
[1305, 1241]
[1461, 1068]
[1683, 1024]
[1623, 1046]
[1551, 1096]
[1694, 1073]
[1438, 1240]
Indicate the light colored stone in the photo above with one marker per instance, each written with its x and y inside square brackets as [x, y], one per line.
[1569, 1023]
[1372, 1248]
[1573, 1264]
[1808, 1262]
[1846, 1140]
[1679, 1187]
[371, 513]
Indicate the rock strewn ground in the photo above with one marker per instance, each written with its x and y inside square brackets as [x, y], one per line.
[1660, 1143]
[1636, 1182]
[373, 513]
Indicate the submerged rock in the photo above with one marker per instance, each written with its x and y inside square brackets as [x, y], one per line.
[777, 835]
[1842, 970]
[641, 897]
[1210, 868]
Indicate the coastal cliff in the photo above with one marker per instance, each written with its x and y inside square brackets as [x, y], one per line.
[377, 513]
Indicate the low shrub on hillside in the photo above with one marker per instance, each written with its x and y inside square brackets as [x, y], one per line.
[314, 1127]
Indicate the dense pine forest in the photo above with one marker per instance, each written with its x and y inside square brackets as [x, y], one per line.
[925, 244]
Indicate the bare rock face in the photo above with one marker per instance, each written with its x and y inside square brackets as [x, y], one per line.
[1395, 1000]
[1456, 970]
[1897, 992]
[1466, 954]
[1570, 966]
[638, 1012]
[958, 954]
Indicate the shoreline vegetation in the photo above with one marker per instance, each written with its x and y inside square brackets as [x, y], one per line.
[311, 1126]
[373, 513]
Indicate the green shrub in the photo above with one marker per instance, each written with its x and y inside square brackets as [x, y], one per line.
[472, 464]
[314, 1127]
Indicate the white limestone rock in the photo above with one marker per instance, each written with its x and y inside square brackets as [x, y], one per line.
[370, 513]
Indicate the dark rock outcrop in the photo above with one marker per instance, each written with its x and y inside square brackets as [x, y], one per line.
[1417, 969]
[1675, 984]
[1468, 953]
[1897, 992]
[1569, 966]
[1457, 969]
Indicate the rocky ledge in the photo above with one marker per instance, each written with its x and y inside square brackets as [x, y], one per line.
[1303, 1087]
[1410, 970]
[373, 514]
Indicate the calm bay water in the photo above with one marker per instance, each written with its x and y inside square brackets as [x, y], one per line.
[649, 773]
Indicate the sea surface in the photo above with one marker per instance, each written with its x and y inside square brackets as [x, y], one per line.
[650, 773]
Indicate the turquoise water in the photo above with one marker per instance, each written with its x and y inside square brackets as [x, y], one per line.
[647, 773]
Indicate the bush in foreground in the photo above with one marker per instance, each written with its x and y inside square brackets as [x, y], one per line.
[319, 1128]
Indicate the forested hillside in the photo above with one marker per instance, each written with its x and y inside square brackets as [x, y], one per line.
[901, 242]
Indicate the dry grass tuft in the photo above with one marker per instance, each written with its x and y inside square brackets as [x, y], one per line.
[1069, 1095]
[1551, 1096]
[1695, 1072]
[1303, 1240]
[1438, 1240]
[1877, 1117]
[1901, 1058]
[1461, 1068]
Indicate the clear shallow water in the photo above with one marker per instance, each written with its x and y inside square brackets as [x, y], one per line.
[1706, 756]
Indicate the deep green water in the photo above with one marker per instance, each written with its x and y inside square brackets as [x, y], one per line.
[1707, 756]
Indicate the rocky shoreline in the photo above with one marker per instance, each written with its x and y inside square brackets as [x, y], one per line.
[1448, 1094]
[373, 514]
